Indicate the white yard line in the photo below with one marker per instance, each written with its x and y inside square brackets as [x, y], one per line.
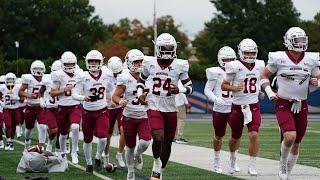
[74, 165]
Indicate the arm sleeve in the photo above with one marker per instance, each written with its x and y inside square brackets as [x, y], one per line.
[208, 89]
[77, 90]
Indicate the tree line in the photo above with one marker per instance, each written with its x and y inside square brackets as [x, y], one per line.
[45, 29]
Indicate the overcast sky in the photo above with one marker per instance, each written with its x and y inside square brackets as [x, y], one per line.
[190, 14]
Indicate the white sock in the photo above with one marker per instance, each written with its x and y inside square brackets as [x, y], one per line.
[87, 148]
[63, 142]
[106, 159]
[75, 136]
[252, 160]
[292, 160]
[18, 129]
[142, 147]
[102, 142]
[157, 165]
[284, 153]
[28, 133]
[130, 159]
[217, 154]
[232, 155]
[42, 136]
[9, 140]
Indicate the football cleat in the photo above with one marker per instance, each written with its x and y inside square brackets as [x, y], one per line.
[7, 148]
[74, 158]
[283, 171]
[120, 160]
[1, 144]
[155, 176]
[130, 176]
[97, 165]
[252, 170]
[89, 169]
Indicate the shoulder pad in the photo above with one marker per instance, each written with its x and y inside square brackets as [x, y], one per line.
[315, 57]
[232, 67]
[212, 73]
[26, 78]
[273, 57]
[56, 75]
[122, 79]
[183, 65]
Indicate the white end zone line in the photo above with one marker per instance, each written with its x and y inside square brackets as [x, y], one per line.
[75, 165]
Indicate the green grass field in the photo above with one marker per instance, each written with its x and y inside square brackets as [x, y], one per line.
[199, 134]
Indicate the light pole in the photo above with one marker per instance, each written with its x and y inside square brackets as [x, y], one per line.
[17, 46]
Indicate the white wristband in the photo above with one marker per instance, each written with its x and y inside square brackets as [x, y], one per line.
[269, 92]
[139, 92]
[182, 90]
[262, 81]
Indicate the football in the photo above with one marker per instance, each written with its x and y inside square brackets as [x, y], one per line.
[111, 168]
[35, 148]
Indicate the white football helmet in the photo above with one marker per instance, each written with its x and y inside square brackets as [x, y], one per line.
[96, 55]
[166, 46]
[19, 81]
[226, 52]
[56, 65]
[68, 58]
[247, 45]
[296, 39]
[131, 56]
[10, 79]
[115, 64]
[3, 79]
[37, 68]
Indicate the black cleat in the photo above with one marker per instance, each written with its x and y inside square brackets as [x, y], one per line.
[155, 176]
[89, 169]
[97, 165]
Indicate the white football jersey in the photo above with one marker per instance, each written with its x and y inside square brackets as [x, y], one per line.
[89, 85]
[237, 73]
[160, 98]
[133, 109]
[111, 86]
[9, 96]
[51, 102]
[21, 104]
[60, 80]
[215, 76]
[33, 87]
[293, 79]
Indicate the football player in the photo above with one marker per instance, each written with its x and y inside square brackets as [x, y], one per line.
[294, 69]
[11, 117]
[222, 105]
[22, 106]
[115, 67]
[32, 83]
[50, 104]
[164, 72]
[135, 115]
[69, 110]
[91, 89]
[242, 78]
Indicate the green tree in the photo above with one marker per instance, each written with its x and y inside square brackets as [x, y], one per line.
[47, 28]
[263, 21]
[133, 34]
[312, 29]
